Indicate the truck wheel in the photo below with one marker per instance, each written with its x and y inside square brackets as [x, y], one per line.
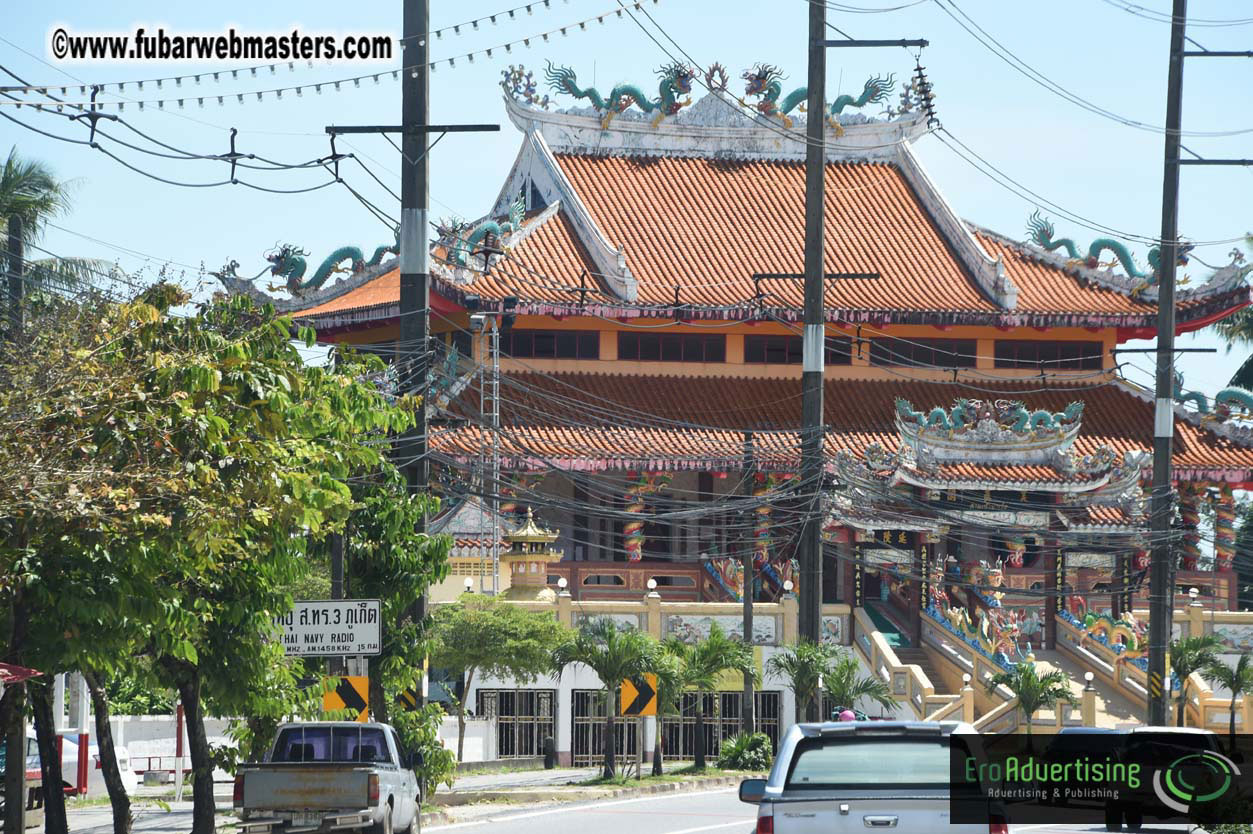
[415, 824]
[384, 827]
[1113, 817]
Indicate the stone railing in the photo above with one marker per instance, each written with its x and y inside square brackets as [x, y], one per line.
[1105, 660]
[1202, 708]
[1003, 719]
[909, 683]
[973, 662]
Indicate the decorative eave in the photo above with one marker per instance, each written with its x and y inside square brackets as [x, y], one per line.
[296, 303]
[914, 477]
[716, 127]
[1240, 433]
[1225, 279]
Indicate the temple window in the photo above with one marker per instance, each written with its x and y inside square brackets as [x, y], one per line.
[672, 347]
[923, 353]
[1068, 356]
[787, 350]
[550, 344]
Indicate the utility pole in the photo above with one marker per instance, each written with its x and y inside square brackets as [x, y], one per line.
[1162, 557]
[814, 333]
[748, 722]
[17, 269]
[413, 350]
[337, 587]
[813, 339]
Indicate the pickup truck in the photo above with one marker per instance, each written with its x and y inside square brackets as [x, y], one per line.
[845, 777]
[331, 776]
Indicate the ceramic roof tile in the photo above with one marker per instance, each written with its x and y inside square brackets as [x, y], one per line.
[622, 421]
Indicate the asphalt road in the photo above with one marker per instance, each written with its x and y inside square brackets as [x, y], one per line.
[686, 813]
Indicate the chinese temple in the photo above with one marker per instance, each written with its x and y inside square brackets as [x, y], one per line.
[637, 284]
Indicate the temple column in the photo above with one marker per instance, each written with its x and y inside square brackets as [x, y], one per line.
[1190, 518]
[1118, 583]
[1054, 574]
[1224, 530]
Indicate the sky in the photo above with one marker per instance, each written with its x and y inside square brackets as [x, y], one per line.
[1093, 166]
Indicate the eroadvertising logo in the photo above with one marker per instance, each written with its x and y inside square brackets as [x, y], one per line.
[1090, 776]
[1177, 787]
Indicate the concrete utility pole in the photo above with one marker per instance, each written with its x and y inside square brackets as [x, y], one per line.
[1161, 565]
[748, 721]
[1162, 559]
[813, 338]
[413, 349]
[813, 430]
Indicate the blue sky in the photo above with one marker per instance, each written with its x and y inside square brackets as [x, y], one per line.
[1095, 167]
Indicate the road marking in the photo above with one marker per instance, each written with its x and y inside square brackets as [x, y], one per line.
[580, 806]
[749, 822]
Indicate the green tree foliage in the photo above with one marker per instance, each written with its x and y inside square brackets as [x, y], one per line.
[1035, 691]
[1238, 680]
[614, 655]
[846, 686]
[804, 667]
[1191, 654]
[419, 731]
[479, 636]
[164, 475]
[746, 751]
[702, 664]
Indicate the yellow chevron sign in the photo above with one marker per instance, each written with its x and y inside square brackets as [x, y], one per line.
[350, 693]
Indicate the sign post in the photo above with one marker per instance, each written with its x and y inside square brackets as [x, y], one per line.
[639, 699]
[332, 627]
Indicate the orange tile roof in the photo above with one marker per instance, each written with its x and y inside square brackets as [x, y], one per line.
[611, 421]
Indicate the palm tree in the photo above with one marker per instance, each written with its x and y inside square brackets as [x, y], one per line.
[703, 664]
[1191, 654]
[1239, 328]
[614, 655]
[1035, 691]
[1238, 679]
[846, 685]
[803, 666]
[669, 671]
[31, 194]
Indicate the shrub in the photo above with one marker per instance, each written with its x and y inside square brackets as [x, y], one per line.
[746, 752]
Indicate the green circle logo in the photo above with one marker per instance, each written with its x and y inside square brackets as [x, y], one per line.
[1193, 779]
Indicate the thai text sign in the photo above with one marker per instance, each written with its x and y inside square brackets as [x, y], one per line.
[332, 627]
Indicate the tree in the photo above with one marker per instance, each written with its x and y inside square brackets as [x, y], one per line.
[31, 194]
[1034, 691]
[669, 671]
[1236, 679]
[1191, 654]
[702, 665]
[481, 636]
[845, 685]
[614, 655]
[167, 472]
[804, 666]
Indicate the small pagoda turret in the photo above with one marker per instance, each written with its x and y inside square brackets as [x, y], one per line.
[528, 557]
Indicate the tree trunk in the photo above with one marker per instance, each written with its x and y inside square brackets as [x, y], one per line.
[611, 708]
[377, 699]
[699, 763]
[203, 808]
[261, 732]
[13, 722]
[118, 798]
[461, 715]
[1231, 727]
[657, 743]
[49, 758]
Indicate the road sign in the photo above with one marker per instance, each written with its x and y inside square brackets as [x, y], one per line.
[332, 628]
[639, 696]
[350, 693]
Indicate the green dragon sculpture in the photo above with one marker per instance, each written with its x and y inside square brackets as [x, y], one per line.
[1225, 401]
[765, 82]
[1041, 419]
[958, 418]
[288, 262]
[1040, 232]
[676, 80]
[461, 245]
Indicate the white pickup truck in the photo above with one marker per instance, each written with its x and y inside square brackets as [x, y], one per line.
[331, 776]
[846, 777]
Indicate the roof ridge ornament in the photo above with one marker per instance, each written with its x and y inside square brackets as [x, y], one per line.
[987, 431]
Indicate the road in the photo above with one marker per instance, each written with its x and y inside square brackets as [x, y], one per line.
[712, 811]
